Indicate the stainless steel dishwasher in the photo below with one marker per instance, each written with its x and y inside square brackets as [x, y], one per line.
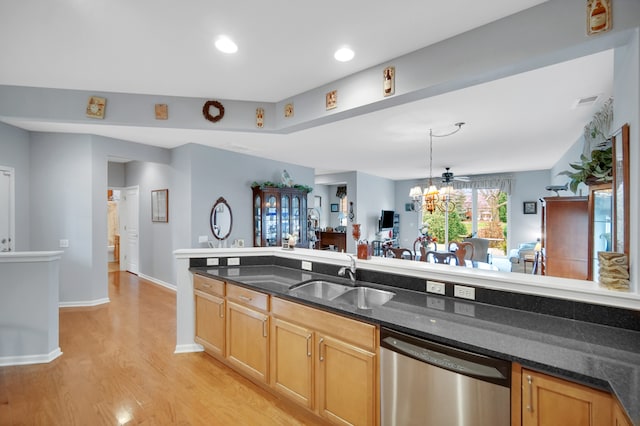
[429, 384]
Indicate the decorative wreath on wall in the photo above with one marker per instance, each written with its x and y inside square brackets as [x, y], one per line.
[207, 114]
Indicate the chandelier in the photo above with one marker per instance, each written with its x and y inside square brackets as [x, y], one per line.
[430, 198]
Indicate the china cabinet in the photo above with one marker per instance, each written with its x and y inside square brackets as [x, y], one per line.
[277, 213]
[601, 236]
[565, 237]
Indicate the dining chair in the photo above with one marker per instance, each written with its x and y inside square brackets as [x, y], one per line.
[463, 251]
[480, 248]
[400, 253]
[440, 257]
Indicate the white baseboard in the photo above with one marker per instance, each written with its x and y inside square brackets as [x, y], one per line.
[172, 287]
[183, 349]
[30, 359]
[84, 303]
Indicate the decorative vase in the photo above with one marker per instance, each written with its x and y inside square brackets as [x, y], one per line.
[355, 232]
[613, 270]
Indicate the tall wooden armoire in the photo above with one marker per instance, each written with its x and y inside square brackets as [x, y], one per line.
[565, 237]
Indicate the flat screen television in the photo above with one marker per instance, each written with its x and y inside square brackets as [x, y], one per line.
[386, 219]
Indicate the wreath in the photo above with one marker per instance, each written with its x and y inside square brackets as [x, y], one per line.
[208, 116]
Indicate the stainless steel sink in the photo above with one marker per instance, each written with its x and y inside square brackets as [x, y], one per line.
[320, 289]
[364, 297]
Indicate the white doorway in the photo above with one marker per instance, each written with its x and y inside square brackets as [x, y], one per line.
[129, 229]
[7, 209]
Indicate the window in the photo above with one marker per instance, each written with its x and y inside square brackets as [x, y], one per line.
[344, 213]
[480, 212]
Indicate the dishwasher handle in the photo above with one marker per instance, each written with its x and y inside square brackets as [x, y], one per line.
[459, 361]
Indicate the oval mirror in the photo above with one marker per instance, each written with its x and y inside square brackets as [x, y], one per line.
[221, 219]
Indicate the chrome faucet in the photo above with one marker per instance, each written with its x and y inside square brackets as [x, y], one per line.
[351, 271]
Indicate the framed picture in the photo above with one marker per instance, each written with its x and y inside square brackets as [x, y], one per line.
[334, 208]
[389, 81]
[96, 106]
[530, 207]
[332, 99]
[162, 111]
[288, 110]
[317, 201]
[160, 205]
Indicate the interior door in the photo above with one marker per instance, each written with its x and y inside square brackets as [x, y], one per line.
[7, 237]
[129, 212]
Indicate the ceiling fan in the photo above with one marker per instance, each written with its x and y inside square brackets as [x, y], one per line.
[448, 177]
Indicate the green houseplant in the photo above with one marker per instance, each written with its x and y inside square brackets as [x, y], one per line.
[591, 171]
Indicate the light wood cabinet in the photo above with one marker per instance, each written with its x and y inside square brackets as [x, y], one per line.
[292, 361]
[247, 339]
[209, 314]
[619, 417]
[346, 382]
[548, 400]
[325, 362]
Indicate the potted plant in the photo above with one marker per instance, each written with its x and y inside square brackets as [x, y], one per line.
[591, 171]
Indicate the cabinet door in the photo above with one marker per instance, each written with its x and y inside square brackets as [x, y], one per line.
[210, 324]
[548, 400]
[619, 417]
[346, 382]
[292, 361]
[247, 340]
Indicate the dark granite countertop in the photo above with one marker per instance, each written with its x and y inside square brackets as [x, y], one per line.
[596, 355]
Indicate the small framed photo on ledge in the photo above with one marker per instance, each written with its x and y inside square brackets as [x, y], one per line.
[530, 207]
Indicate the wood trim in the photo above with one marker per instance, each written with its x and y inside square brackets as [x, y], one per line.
[516, 394]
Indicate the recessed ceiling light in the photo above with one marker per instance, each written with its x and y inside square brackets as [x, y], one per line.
[344, 54]
[226, 45]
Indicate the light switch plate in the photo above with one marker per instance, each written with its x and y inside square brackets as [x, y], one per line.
[233, 261]
[203, 239]
[212, 261]
[307, 266]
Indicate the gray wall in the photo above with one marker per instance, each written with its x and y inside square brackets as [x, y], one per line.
[116, 175]
[14, 152]
[61, 208]
[218, 173]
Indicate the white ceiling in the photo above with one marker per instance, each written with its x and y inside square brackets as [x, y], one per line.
[523, 122]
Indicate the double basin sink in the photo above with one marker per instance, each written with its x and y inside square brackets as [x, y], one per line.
[359, 297]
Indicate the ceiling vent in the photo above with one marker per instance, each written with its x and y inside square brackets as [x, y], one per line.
[590, 100]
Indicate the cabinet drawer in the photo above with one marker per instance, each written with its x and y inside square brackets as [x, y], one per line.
[248, 297]
[208, 285]
[358, 333]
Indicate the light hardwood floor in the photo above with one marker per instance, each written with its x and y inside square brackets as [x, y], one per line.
[118, 367]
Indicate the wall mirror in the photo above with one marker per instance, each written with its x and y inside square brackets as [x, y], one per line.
[221, 219]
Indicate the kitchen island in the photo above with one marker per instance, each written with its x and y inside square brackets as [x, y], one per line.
[503, 322]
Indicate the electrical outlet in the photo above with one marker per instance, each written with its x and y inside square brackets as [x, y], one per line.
[212, 261]
[435, 287]
[203, 239]
[307, 266]
[64, 243]
[464, 292]
[233, 261]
